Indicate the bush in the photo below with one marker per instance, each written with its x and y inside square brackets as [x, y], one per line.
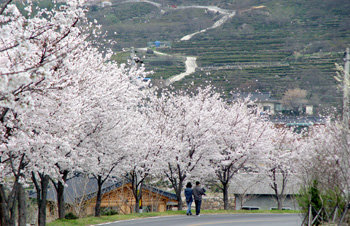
[108, 212]
[311, 196]
[325, 202]
[70, 216]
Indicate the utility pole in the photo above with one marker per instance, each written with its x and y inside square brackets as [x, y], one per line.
[132, 56]
[346, 113]
[346, 83]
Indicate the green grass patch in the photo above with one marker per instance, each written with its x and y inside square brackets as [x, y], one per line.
[121, 57]
[105, 219]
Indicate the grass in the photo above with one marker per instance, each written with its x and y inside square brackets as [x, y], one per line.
[121, 57]
[105, 219]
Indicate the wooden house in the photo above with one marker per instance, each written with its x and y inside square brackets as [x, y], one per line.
[121, 199]
[80, 198]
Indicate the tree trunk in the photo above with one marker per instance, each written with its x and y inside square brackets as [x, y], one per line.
[4, 211]
[138, 198]
[41, 193]
[60, 200]
[1, 214]
[279, 202]
[60, 196]
[98, 197]
[225, 195]
[274, 186]
[179, 201]
[178, 194]
[175, 175]
[42, 202]
[136, 187]
[59, 187]
[7, 205]
[137, 205]
[22, 215]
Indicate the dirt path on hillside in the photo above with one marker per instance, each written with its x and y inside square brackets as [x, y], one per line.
[158, 5]
[191, 66]
[227, 15]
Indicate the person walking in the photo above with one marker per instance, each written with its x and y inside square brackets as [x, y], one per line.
[189, 199]
[198, 191]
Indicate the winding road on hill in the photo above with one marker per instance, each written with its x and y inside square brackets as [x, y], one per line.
[215, 219]
[191, 61]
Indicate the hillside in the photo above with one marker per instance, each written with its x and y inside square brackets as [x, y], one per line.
[268, 45]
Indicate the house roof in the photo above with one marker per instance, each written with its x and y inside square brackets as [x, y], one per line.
[80, 187]
[297, 120]
[257, 97]
[161, 192]
[259, 184]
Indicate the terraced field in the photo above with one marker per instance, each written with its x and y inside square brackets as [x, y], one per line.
[135, 24]
[265, 53]
[269, 45]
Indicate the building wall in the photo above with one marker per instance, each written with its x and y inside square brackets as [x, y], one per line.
[266, 202]
[271, 107]
[217, 203]
[309, 110]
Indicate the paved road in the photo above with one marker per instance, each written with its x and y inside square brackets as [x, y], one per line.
[219, 219]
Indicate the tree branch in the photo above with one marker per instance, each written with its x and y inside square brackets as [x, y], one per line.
[5, 6]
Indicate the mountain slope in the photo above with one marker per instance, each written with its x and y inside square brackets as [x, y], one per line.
[269, 45]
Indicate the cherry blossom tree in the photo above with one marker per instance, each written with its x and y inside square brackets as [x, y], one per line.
[32, 48]
[182, 121]
[328, 162]
[144, 159]
[11, 172]
[241, 140]
[42, 145]
[52, 86]
[104, 147]
[50, 126]
[109, 95]
[281, 161]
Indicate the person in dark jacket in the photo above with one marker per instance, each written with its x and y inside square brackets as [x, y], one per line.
[198, 191]
[189, 199]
